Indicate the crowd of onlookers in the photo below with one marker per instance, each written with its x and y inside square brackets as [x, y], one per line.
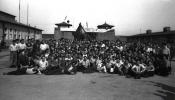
[135, 58]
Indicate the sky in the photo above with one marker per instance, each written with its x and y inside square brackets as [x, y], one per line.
[128, 16]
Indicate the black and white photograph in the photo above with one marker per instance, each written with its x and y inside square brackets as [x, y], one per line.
[87, 49]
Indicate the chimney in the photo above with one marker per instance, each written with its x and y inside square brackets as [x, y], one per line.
[166, 29]
[148, 31]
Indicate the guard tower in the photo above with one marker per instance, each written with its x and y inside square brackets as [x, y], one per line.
[58, 34]
[105, 26]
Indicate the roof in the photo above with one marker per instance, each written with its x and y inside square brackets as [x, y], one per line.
[20, 24]
[80, 29]
[64, 24]
[90, 29]
[105, 26]
[154, 34]
[7, 14]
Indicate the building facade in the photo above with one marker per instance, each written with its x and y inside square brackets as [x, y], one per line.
[10, 29]
[47, 36]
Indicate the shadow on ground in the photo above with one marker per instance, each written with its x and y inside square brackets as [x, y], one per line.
[4, 56]
[167, 92]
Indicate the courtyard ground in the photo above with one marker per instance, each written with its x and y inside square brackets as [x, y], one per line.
[95, 86]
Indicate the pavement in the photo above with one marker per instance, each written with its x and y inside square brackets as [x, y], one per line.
[95, 86]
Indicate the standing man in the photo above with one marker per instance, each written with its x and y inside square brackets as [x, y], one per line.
[13, 54]
[166, 57]
[22, 46]
[43, 47]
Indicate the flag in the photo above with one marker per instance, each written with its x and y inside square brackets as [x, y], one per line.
[86, 24]
[65, 18]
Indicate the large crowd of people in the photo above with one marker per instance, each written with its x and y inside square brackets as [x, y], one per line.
[133, 58]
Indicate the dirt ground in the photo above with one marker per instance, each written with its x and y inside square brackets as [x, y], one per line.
[95, 86]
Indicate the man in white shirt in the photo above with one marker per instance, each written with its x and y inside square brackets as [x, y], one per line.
[119, 64]
[138, 69]
[99, 64]
[86, 62]
[112, 64]
[13, 54]
[43, 47]
[166, 52]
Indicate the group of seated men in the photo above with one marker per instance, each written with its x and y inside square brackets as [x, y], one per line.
[54, 57]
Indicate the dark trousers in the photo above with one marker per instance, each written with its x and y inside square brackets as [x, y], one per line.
[13, 58]
[148, 74]
[18, 72]
[137, 75]
[52, 71]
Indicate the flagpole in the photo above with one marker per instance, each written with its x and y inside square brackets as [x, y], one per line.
[28, 19]
[19, 10]
[27, 13]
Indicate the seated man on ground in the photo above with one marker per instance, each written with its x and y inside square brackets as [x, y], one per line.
[43, 64]
[150, 70]
[127, 68]
[138, 69]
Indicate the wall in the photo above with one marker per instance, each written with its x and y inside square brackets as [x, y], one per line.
[1, 31]
[57, 33]
[67, 35]
[106, 36]
[62, 34]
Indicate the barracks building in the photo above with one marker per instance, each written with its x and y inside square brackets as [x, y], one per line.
[10, 29]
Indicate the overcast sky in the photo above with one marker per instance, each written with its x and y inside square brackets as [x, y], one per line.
[128, 16]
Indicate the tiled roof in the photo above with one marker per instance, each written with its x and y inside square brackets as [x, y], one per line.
[20, 24]
[63, 24]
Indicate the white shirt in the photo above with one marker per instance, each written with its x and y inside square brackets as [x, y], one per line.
[47, 55]
[103, 45]
[44, 47]
[139, 68]
[30, 71]
[166, 51]
[22, 46]
[99, 63]
[18, 46]
[149, 49]
[121, 48]
[112, 62]
[13, 47]
[43, 64]
[86, 63]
